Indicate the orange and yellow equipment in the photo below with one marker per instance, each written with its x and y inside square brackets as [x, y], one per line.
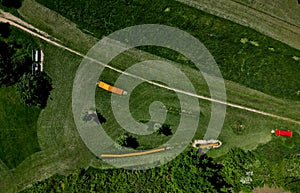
[110, 88]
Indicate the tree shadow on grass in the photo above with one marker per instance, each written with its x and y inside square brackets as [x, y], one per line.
[132, 142]
[101, 118]
[164, 130]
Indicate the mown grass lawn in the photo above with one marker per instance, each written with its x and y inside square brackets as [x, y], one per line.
[256, 128]
[242, 62]
[18, 121]
[217, 34]
[56, 124]
[261, 63]
[18, 126]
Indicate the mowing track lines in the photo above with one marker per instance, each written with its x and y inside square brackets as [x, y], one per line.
[145, 80]
[250, 17]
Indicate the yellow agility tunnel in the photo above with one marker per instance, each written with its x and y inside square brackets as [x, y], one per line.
[132, 154]
[110, 88]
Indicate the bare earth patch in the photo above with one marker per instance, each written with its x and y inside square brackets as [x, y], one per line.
[267, 189]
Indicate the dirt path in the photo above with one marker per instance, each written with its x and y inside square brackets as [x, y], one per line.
[263, 22]
[23, 26]
[17, 20]
[63, 162]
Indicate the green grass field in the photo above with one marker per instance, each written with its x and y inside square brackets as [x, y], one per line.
[287, 11]
[260, 63]
[18, 121]
[62, 150]
[139, 110]
[18, 126]
[256, 128]
[236, 93]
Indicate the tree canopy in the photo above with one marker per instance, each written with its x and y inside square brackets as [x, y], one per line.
[5, 30]
[12, 3]
[191, 172]
[187, 173]
[11, 67]
[126, 140]
[162, 129]
[35, 89]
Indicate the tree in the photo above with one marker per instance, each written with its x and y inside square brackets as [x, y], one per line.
[12, 3]
[6, 67]
[126, 141]
[162, 129]
[287, 173]
[193, 173]
[5, 30]
[12, 67]
[242, 170]
[189, 172]
[35, 89]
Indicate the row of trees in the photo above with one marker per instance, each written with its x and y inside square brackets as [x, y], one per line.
[240, 171]
[187, 173]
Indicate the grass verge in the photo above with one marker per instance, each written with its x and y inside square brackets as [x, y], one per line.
[18, 126]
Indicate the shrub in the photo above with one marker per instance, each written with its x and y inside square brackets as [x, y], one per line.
[35, 89]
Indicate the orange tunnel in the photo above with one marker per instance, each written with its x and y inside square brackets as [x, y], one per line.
[110, 88]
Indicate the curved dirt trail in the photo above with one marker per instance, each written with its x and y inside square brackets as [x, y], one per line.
[14, 21]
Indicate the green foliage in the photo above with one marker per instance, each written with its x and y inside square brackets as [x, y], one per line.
[5, 30]
[114, 180]
[251, 64]
[187, 173]
[18, 122]
[282, 158]
[240, 170]
[15, 58]
[279, 148]
[18, 138]
[271, 163]
[12, 3]
[126, 141]
[35, 89]
[11, 67]
[139, 181]
[163, 129]
[192, 173]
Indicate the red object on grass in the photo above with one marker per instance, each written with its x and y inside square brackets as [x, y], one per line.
[286, 133]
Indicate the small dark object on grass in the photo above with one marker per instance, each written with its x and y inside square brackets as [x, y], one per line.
[93, 115]
[240, 126]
